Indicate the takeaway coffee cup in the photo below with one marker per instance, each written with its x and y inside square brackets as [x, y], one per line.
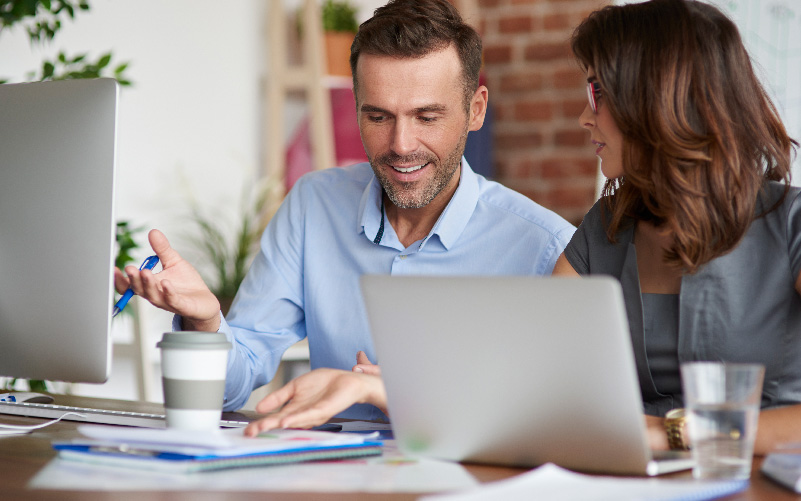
[193, 366]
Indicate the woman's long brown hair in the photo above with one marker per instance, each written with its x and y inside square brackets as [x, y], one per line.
[700, 133]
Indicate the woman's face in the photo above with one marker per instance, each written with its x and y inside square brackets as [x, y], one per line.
[604, 133]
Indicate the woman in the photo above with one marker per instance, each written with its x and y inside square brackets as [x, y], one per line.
[697, 219]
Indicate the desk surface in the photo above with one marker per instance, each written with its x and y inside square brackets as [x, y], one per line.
[21, 457]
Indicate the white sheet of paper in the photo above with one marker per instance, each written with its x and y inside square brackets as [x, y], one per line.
[552, 482]
[229, 442]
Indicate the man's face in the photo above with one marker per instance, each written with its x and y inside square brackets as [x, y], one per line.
[414, 124]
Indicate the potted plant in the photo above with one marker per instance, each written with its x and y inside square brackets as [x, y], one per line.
[228, 255]
[339, 28]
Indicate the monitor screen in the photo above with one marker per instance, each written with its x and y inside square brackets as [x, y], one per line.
[57, 162]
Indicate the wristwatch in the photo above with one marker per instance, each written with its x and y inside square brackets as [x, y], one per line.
[676, 428]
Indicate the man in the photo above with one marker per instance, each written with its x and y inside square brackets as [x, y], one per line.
[415, 208]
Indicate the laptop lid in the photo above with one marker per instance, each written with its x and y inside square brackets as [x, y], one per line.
[510, 370]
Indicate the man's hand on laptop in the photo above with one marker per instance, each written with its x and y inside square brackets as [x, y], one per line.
[178, 288]
[315, 397]
[364, 365]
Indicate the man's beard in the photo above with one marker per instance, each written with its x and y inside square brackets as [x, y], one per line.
[404, 195]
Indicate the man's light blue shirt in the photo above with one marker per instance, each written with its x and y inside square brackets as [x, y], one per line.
[304, 282]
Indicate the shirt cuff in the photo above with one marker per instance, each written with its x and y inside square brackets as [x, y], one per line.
[177, 321]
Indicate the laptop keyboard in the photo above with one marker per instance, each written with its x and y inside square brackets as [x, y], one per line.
[98, 416]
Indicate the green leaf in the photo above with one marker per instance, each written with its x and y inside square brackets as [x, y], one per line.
[126, 242]
[47, 70]
[26, 8]
[104, 60]
[339, 16]
[37, 385]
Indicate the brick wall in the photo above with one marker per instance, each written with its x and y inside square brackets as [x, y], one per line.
[538, 91]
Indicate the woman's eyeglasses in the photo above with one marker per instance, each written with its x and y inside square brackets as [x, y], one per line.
[593, 94]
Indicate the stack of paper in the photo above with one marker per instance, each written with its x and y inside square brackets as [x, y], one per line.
[170, 450]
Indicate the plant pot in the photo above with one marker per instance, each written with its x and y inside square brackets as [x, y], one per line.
[337, 51]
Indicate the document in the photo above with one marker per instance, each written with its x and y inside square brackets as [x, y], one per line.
[390, 472]
[194, 451]
[552, 482]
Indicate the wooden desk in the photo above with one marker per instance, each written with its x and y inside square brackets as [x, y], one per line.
[22, 456]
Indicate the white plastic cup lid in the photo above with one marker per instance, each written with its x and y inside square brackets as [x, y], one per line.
[194, 340]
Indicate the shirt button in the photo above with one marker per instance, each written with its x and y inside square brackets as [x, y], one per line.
[403, 256]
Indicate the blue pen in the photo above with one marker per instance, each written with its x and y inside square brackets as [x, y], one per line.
[147, 265]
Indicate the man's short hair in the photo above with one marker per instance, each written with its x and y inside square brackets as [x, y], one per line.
[415, 29]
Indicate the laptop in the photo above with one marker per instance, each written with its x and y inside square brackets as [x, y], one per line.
[516, 371]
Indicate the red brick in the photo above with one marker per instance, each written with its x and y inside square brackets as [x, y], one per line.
[592, 7]
[566, 167]
[499, 111]
[499, 166]
[482, 27]
[520, 82]
[558, 21]
[517, 140]
[573, 108]
[520, 169]
[575, 137]
[534, 110]
[532, 168]
[572, 197]
[547, 51]
[518, 24]
[495, 54]
[569, 78]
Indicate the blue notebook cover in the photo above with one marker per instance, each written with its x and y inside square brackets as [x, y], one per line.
[186, 452]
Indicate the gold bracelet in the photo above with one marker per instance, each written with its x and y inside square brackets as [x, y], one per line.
[676, 428]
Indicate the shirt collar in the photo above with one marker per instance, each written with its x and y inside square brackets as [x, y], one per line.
[451, 222]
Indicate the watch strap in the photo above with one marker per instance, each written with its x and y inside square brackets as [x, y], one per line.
[676, 428]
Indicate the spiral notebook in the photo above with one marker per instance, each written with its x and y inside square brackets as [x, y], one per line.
[172, 451]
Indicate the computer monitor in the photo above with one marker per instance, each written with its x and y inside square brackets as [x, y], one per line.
[57, 227]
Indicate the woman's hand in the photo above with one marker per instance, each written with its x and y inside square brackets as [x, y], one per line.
[657, 436]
